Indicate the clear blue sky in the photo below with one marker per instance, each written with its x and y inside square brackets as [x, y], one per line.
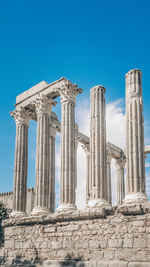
[89, 42]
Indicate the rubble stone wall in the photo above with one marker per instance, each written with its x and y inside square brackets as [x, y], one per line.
[95, 239]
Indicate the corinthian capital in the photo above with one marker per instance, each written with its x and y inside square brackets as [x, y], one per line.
[44, 105]
[69, 91]
[21, 116]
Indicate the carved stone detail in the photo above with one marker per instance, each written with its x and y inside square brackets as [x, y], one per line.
[69, 91]
[21, 116]
[44, 105]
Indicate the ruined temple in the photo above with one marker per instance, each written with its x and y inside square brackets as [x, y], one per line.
[100, 235]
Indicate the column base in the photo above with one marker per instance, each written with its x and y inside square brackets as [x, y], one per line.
[66, 207]
[18, 213]
[98, 203]
[135, 198]
[40, 211]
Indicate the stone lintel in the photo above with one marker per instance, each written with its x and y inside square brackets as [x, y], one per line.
[50, 90]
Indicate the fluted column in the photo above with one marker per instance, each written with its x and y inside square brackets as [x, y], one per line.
[52, 168]
[21, 117]
[76, 147]
[98, 197]
[135, 138]
[68, 175]
[120, 164]
[43, 107]
[88, 182]
[108, 172]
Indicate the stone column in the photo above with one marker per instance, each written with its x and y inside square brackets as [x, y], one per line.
[98, 197]
[52, 168]
[135, 139]
[43, 109]
[76, 147]
[88, 182]
[21, 117]
[108, 171]
[120, 164]
[68, 175]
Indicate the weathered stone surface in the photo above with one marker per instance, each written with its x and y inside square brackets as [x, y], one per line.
[112, 239]
[130, 209]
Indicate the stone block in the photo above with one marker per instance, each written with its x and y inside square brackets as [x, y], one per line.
[139, 243]
[139, 264]
[131, 209]
[138, 223]
[72, 227]
[102, 264]
[117, 264]
[55, 245]
[18, 245]
[26, 244]
[128, 243]
[51, 229]
[109, 255]
[94, 244]
[92, 263]
[124, 255]
[82, 264]
[115, 243]
[10, 244]
[103, 243]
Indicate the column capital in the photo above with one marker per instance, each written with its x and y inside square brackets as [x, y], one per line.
[69, 91]
[120, 163]
[21, 116]
[43, 105]
[86, 149]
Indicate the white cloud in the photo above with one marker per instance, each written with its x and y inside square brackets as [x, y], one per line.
[115, 123]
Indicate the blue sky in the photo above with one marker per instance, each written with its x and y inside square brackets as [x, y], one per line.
[89, 42]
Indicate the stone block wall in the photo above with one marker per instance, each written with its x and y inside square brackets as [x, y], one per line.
[7, 199]
[83, 237]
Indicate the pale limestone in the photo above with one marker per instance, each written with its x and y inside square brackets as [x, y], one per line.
[135, 139]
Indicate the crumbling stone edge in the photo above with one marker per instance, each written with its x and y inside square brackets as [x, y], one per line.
[132, 209]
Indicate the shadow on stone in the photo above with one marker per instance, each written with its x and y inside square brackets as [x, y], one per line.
[72, 262]
[21, 262]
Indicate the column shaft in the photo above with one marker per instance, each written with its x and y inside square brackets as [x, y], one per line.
[88, 182]
[108, 187]
[98, 195]
[43, 109]
[120, 163]
[20, 165]
[135, 139]
[52, 169]
[68, 151]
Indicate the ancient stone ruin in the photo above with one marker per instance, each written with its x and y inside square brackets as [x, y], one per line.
[100, 235]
